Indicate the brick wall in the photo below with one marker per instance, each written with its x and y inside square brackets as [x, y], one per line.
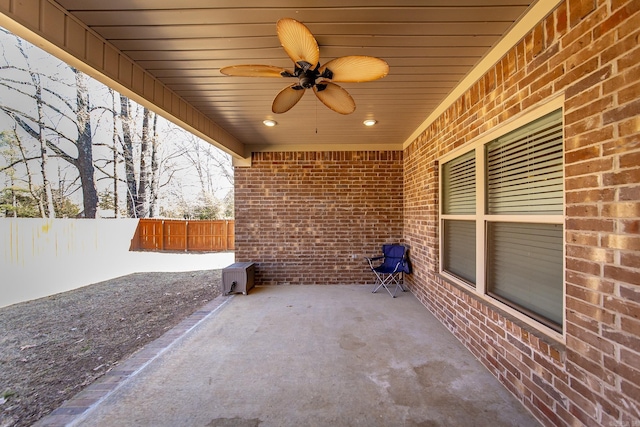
[310, 217]
[587, 50]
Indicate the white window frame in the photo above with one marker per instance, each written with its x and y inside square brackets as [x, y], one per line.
[481, 218]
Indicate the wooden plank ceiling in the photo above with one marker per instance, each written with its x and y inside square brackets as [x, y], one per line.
[429, 45]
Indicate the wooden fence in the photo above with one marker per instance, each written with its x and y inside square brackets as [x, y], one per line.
[184, 235]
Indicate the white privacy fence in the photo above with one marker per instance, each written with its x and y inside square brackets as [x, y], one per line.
[41, 257]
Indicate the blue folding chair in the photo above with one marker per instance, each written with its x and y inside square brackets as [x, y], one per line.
[391, 271]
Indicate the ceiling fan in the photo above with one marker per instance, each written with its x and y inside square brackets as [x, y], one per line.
[302, 48]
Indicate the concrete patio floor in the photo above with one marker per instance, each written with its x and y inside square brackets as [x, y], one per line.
[300, 356]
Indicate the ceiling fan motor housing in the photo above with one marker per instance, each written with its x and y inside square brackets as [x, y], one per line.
[308, 79]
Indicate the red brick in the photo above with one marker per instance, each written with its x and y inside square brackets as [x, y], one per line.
[583, 294]
[631, 326]
[630, 259]
[629, 176]
[590, 224]
[621, 399]
[630, 160]
[629, 193]
[561, 15]
[623, 339]
[593, 48]
[574, 81]
[595, 137]
[589, 282]
[573, 396]
[579, 9]
[582, 210]
[620, 51]
[621, 145]
[582, 98]
[622, 307]
[629, 127]
[579, 238]
[621, 241]
[589, 253]
[618, 18]
[621, 274]
[629, 94]
[590, 196]
[626, 111]
[623, 210]
[593, 107]
[623, 79]
[588, 351]
[583, 266]
[582, 154]
[590, 311]
[589, 167]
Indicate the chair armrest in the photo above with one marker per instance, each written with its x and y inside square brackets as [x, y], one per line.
[371, 259]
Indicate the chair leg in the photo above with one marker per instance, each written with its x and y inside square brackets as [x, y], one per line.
[400, 284]
[379, 282]
[386, 281]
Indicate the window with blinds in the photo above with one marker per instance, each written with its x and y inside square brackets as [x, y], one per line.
[502, 216]
[524, 169]
[459, 257]
[459, 185]
[458, 203]
[524, 268]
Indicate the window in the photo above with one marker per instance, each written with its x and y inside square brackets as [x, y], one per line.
[459, 204]
[502, 205]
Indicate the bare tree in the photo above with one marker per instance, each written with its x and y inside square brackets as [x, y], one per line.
[49, 132]
[127, 149]
[125, 146]
[114, 152]
[84, 161]
[214, 173]
[142, 204]
[44, 158]
[155, 171]
[138, 200]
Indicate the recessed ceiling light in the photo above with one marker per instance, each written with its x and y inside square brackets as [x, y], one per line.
[270, 123]
[370, 122]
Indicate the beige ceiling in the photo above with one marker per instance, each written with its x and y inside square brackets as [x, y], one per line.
[430, 46]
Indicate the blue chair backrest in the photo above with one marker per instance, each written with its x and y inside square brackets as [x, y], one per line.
[394, 254]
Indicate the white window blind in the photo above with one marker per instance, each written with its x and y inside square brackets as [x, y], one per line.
[459, 255]
[525, 169]
[524, 268]
[459, 185]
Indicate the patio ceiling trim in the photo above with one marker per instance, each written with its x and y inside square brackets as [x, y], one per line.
[536, 13]
[50, 27]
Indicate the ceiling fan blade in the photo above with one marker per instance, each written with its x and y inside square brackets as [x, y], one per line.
[286, 99]
[356, 69]
[335, 97]
[253, 71]
[298, 42]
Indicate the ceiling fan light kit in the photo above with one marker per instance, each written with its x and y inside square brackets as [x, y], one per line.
[302, 47]
[269, 123]
[370, 122]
